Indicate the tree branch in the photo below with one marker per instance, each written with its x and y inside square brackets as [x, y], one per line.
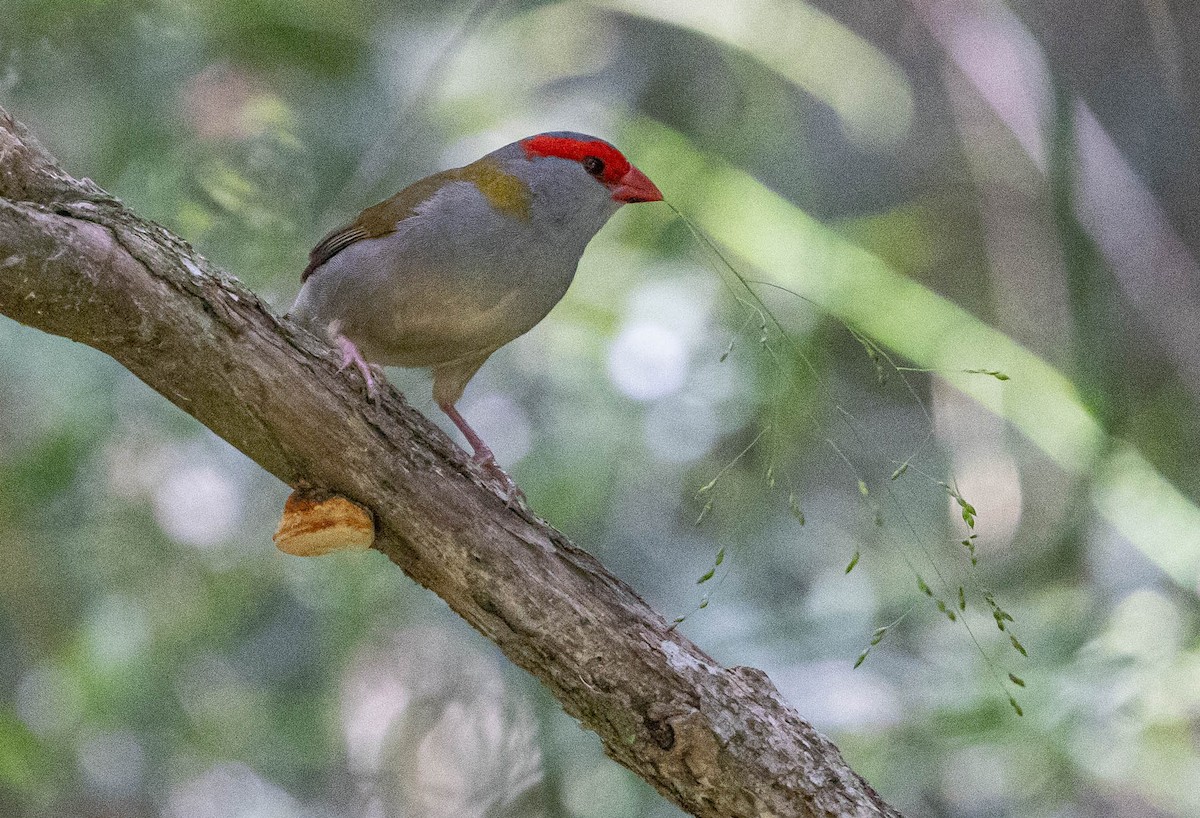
[717, 741]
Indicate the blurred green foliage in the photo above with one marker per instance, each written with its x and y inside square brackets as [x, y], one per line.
[970, 187]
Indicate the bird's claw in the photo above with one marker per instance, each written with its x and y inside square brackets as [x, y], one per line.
[513, 496]
[372, 375]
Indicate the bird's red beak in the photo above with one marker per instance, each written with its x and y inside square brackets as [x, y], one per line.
[636, 186]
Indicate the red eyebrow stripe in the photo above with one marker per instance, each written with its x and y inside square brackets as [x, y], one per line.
[615, 164]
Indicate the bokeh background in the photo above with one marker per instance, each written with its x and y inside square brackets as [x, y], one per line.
[946, 185]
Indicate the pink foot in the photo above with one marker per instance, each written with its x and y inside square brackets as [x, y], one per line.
[483, 457]
[513, 496]
[351, 355]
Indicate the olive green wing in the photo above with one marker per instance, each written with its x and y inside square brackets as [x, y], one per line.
[504, 191]
[378, 220]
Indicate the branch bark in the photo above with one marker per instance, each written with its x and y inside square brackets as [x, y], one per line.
[717, 741]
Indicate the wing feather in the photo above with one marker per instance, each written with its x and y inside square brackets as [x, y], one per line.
[378, 220]
[330, 246]
[505, 192]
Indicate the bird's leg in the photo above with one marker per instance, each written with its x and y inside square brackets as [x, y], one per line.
[483, 453]
[483, 456]
[351, 355]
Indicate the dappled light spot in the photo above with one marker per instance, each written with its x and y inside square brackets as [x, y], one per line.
[230, 791]
[198, 506]
[647, 362]
[49, 701]
[118, 631]
[113, 761]
[432, 729]
[223, 102]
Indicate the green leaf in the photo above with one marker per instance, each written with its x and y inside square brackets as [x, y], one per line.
[968, 511]
[994, 373]
[794, 508]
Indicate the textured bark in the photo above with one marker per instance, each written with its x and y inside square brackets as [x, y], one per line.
[716, 741]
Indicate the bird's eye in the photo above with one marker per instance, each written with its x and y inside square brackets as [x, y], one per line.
[593, 165]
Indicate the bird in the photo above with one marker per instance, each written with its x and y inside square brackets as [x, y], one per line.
[460, 263]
